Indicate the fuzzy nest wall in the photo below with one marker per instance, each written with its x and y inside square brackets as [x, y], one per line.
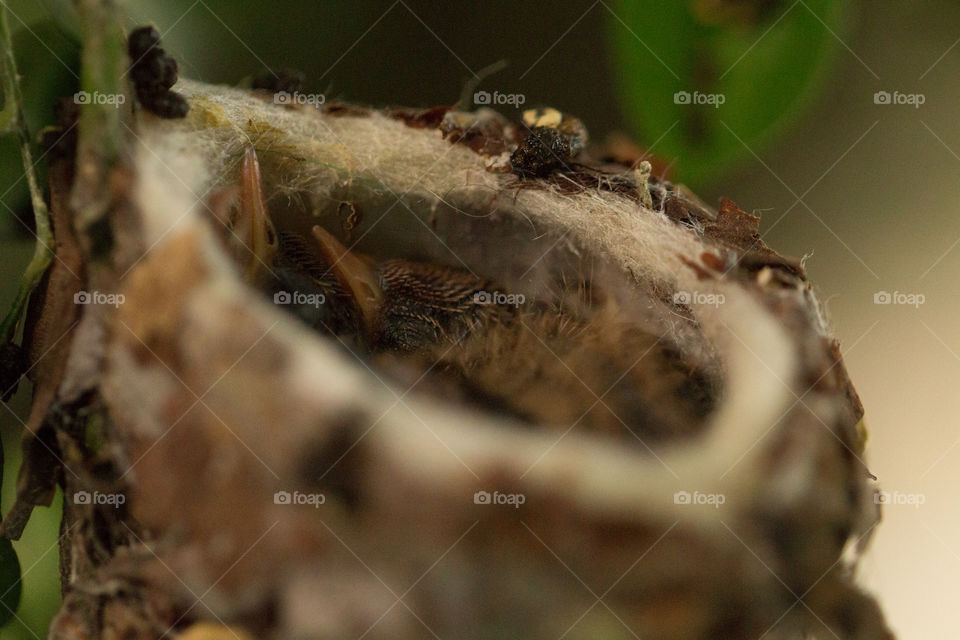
[208, 401]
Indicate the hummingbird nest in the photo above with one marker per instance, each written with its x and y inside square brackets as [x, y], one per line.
[366, 376]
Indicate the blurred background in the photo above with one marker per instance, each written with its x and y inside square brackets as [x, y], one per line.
[837, 122]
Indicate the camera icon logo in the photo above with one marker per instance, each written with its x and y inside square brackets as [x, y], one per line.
[282, 297]
[482, 497]
[882, 97]
[81, 97]
[681, 497]
[881, 497]
[481, 97]
[482, 297]
[681, 97]
[282, 497]
[282, 97]
[682, 297]
[81, 497]
[81, 297]
[882, 297]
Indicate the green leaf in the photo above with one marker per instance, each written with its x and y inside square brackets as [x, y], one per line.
[750, 78]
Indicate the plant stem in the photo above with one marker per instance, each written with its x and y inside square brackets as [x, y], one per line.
[43, 249]
[102, 66]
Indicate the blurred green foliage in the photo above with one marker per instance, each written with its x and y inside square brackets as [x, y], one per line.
[752, 74]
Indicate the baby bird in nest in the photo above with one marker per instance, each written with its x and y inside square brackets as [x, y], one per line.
[391, 305]
[536, 363]
[434, 325]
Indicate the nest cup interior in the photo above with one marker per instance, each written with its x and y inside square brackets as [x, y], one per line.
[566, 337]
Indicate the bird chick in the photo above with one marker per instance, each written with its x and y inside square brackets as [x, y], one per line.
[533, 362]
[435, 324]
[401, 304]
[601, 375]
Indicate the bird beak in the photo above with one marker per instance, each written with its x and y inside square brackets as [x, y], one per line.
[254, 228]
[355, 276]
